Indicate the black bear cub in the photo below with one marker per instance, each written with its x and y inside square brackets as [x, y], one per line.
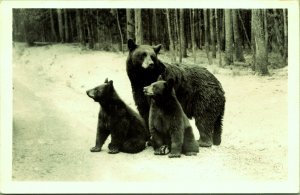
[127, 129]
[168, 124]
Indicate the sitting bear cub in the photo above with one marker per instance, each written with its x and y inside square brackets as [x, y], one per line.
[127, 129]
[168, 125]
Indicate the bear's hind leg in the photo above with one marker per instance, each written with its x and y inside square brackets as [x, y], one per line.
[190, 145]
[176, 143]
[134, 145]
[101, 137]
[158, 143]
[205, 127]
[218, 130]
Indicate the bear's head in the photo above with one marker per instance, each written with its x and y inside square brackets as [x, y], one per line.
[142, 55]
[101, 92]
[160, 89]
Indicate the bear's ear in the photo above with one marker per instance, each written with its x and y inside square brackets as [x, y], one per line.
[106, 80]
[157, 48]
[170, 83]
[131, 45]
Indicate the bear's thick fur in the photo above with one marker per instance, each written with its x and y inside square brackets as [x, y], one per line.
[168, 124]
[127, 129]
[198, 91]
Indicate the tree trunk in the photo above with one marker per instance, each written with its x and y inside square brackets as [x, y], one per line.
[138, 26]
[266, 30]
[206, 36]
[178, 35]
[98, 26]
[222, 34]
[66, 25]
[200, 29]
[218, 38]
[259, 38]
[245, 31]
[154, 26]
[253, 41]
[212, 33]
[52, 26]
[172, 50]
[278, 36]
[130, 24]
[71, 24]
[182, 33]
[120, 30]
[79, 27]
[149, 26]
[187, 28]
[228, 38]
[60, 25]
[285, 26]
[193, 41]
[237, 38]
[89, 29]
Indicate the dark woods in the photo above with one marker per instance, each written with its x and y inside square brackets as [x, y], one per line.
[225, 34]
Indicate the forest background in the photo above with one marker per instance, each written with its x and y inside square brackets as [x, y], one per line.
[225, 34]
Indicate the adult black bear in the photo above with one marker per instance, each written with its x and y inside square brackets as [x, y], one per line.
[168, 124]
[199, 92]
[127, 129]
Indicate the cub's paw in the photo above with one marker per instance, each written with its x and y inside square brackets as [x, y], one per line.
[95, 149]
[174, 155]
[191, 153]
[162, 150]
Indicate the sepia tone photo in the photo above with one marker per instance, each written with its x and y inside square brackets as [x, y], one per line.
[169, 95]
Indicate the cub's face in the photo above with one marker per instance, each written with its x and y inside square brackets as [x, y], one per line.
[143, 55]
[155, 89]
[101, 91]
[159, 88]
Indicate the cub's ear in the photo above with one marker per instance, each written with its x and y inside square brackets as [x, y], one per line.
[131, 45]
[160, 78]
[110, 82]
[106, 80]
[157, 48]
[170, 83]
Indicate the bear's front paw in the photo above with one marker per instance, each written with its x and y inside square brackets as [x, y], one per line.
[174, 155]
[191, 154]
[206, 143]
[112, 149]
[162, 150]
[95, 149]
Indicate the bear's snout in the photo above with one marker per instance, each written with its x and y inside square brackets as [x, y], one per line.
[148, 90]
[145, 89]
[90, 93]
[148, 62]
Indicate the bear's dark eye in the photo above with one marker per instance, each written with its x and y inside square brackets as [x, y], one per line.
[144, 54]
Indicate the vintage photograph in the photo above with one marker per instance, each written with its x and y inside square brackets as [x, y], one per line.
[168, 95]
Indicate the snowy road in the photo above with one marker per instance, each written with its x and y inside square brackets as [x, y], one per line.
[54, 124]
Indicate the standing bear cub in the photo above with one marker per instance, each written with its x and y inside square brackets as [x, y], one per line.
[198, 91]
[168, 124]
[127, 129]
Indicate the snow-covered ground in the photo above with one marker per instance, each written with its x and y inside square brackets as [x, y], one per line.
[54, 123]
